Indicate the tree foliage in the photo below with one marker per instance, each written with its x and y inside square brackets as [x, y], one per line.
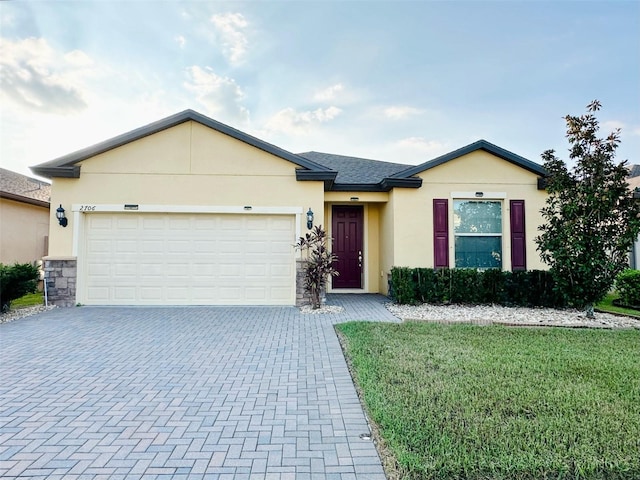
[591, 218]
[319, 263]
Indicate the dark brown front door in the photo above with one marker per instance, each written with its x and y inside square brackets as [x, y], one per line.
[346, 229]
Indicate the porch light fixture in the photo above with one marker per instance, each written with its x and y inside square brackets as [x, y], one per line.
[310, 219]
[479, 194]
[62, 219]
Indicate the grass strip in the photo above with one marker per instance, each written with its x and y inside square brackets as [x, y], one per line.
[472, 402]
[607, 305]
[28, 300]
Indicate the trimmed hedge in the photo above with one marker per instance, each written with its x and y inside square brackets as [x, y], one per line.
[533, 288]
[628, 287]
[16, 281]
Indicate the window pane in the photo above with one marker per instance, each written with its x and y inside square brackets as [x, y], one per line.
[478, 252]
[472, 216]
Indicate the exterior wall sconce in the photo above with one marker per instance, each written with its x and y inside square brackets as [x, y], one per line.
[62, 219]
[310, 219]
[479, 194]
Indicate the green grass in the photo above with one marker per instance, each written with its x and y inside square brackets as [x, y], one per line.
[29, 300]
[607, 306]
[472, 402]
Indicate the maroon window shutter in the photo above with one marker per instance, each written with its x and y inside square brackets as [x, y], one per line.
[518, 241]
[440, 233]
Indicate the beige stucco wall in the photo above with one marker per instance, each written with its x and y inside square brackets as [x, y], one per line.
[187, 165]
[23, 232]
[478, 171]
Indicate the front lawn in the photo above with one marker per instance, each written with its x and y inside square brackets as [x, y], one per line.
[472, 402]
[28, 300]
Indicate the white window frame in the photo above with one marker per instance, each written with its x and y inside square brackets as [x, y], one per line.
[478, 196]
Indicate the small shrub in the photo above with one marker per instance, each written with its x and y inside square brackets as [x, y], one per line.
[319, 263]
[15, 281]
[464, 286]
[628, 287]
[402, 285]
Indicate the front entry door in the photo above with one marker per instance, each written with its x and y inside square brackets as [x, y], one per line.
[347, 228]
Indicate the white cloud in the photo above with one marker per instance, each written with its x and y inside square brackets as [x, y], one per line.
[230, 28]
[421, 145]
[399, 112]
[180, 40]
[612, 125]
[300, 123]
[220, 95]
[36, 76]
[328, 93]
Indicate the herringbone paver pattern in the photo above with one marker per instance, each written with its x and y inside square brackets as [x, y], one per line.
[183, 393]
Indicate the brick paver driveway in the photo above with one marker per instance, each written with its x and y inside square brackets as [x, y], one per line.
[183, 393]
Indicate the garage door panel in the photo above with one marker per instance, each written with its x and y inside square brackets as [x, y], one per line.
[134, 258]
[150, 259]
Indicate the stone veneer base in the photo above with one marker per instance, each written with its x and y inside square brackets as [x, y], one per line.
[60, 277]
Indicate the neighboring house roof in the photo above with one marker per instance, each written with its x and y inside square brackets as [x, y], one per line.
[21, 188]
[634, 171]
[361, 173]
[479, 145]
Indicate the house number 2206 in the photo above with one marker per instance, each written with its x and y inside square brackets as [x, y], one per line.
[87, 208]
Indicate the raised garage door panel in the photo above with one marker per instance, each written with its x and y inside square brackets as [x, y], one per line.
[185, 259]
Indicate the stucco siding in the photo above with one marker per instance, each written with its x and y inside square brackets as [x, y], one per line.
[186, 165]
[476, 172]
[23, 232]
[387, 241]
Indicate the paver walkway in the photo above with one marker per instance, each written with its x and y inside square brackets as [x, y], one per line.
[183, 393]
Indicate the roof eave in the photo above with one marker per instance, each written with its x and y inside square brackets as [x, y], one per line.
[384, 186]
[72, 171]
[22, 199]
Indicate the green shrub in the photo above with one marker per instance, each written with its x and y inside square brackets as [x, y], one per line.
[432, 286]
[628, 287]
[402, 288]
[533, 288]
[15, 281]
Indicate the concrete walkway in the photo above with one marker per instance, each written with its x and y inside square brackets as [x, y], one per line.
[183, 393]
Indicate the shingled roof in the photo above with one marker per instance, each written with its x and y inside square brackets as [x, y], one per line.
[353, 170]
[634, 171]
[21, 188]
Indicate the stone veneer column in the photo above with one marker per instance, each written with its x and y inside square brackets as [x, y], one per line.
[60, 277]
[301, 297]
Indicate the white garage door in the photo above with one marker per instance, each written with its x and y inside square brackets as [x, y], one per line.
[188, 259]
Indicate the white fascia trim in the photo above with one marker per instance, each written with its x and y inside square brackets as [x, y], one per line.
[133, 208]
[485, 195]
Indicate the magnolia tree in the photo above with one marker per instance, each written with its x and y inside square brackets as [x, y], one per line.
[319, 263]
[591, 217]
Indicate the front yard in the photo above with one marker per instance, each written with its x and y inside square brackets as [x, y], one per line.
[492, 402]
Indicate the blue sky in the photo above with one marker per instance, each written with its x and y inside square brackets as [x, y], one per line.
[395, 81]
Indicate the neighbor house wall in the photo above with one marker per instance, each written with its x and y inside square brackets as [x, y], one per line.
[478, 171]
[23, 232]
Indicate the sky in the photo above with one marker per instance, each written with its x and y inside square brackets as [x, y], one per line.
[400, 81]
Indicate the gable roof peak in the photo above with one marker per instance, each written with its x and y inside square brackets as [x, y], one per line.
[472, 147]
[66, 166]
